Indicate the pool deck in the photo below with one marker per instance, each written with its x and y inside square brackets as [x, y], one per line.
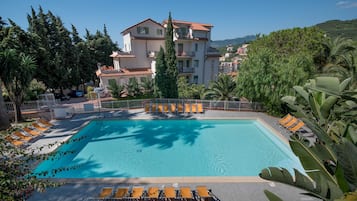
[226, 189]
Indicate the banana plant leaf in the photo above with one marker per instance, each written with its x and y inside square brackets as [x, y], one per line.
[323, 189]
[300, 90]
[312, 159]
[318, 131]
[347, 156]
[271, 196]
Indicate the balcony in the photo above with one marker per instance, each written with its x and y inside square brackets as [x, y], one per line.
[185, 54]
[152, 54]
[186, 70]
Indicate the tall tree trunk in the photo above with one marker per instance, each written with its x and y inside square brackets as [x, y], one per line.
[4, 116]
[18, 104]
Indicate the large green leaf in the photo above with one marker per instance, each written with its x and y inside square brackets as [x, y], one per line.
[327, 105]
[329, 83]
[271, 196]
[344, 84]
[311, 160]
[346, 154]
[300, 90]
[315, 107]
[318, 131]
[322, 189]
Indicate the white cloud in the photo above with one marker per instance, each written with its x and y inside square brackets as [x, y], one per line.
[346, 4]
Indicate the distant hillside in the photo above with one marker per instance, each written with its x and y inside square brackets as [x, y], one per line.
[234, 42]
[334, 28]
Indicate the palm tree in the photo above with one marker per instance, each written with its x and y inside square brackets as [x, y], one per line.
[340, 61]
[16, 73]
[224, 88]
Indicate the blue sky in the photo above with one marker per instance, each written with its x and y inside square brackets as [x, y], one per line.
[230, 18]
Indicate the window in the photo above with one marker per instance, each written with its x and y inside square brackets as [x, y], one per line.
[159, 32]
[180, 64]
[195, 63]
[196, 47]
[143, 30]
[195, 79]
[187, 63]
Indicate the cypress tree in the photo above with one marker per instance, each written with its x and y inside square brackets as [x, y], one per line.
[161, 77]
[171, 61]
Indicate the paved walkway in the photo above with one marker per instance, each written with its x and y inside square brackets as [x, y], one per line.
[225, 191]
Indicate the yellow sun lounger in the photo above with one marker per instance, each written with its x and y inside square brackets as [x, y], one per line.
[203, 193]
[22, 136]
[296, 127]
[31, 131]
[173, 107]
[179, 108]
[187, 108]
[37, 126]
[137, 192]
[153, 107]
[199, 108]
[186, 193]
[285, 119]
[45, 122]
[291, 122]
[121, 193]
[160, 108]
[147, 107]
[105, 192]
[169, 192]
[153, 193]
[14, 141]
[194, 108]
[166, 108]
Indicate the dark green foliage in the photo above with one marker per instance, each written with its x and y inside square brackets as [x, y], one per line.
[224, 88]
[16, 72]
[161, 77]
[235, 42]
[171, 71]
[116, 90]
[133, 87]
[190, 91]
[338, 28]
[278, 62]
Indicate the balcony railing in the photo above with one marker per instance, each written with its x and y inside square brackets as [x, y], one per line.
[185, 54]
[186, 70]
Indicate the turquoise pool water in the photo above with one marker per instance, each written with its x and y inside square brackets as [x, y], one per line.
[168, 148]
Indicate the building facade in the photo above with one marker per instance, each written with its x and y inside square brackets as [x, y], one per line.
[196, 60]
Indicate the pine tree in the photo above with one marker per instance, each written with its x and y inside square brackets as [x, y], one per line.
[171, 70]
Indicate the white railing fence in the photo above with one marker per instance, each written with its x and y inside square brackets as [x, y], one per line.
[101, 106]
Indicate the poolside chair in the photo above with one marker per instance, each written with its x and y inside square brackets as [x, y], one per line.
[285, 119]
[105, 192]
[153, 193]
[194, 108]
[187, 108]
[13, 141]
[169, 193]
[45, 122]
[291, 122]
[173, 107]
[153, 107]
[204, 193]
[38, 127]
[31, 131]
[147, 107]
[121, 193]
[199, 108]
[179, 108]
[166, 108]
[136, 193]
[22, 136]
[186, 193]
[297, 127]
[160, 108]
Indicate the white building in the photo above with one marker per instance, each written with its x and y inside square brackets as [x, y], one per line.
[196, 60]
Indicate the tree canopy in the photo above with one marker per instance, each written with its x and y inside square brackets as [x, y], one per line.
[277, 62]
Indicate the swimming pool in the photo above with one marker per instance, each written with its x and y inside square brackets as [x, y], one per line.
[168, 148]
